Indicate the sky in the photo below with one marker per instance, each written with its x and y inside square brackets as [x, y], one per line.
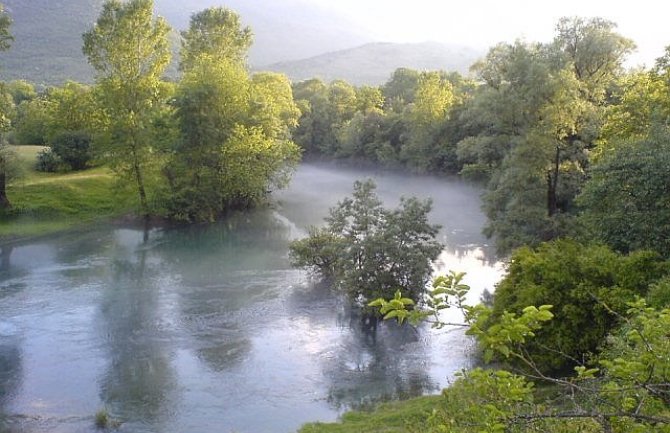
[483, 23]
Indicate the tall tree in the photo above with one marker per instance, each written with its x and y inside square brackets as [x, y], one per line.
[234, 131]
[6, 37]
[432, 101]
[129, 49]
[538, 115]
[5, 41]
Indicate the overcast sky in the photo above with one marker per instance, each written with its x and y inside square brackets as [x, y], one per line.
[483, 23]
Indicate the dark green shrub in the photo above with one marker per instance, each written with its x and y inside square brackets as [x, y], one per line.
[73, 148]
[588, 285]
[659, 294]
[369, 251]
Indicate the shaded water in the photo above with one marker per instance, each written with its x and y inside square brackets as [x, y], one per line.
[208, 328]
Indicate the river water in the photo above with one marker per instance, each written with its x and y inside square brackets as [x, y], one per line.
[208, 328]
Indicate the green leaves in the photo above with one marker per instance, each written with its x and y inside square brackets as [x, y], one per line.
[625, 201]
[218, 33]
[129, 50]
[372, 252]
[588, 285]
[510, 332]
[394, 308]
[234, 130]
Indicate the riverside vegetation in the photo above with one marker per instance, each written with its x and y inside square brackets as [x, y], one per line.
[570, 146]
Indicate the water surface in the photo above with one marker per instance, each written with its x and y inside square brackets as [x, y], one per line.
[208, 328]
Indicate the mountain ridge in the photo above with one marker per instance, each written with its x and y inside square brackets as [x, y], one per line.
[373, 63]
[291, 36]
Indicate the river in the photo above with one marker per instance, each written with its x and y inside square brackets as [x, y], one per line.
[208, 328]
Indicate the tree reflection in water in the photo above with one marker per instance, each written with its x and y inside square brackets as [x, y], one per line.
[139, 384]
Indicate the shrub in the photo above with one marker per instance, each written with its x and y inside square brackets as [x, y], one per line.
[370, 252]
[49, 162]
[589, 287]
[73, 148]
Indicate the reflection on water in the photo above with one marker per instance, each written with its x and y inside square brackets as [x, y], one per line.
[208, 328]
[139, 381]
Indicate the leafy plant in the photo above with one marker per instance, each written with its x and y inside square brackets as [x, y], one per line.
[73, 148]
[48, 161]
[371, 252]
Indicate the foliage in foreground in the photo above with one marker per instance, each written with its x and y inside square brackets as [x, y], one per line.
[370, 251]
[588, 285]
[625, 389]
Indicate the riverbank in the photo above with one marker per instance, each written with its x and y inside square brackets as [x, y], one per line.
[393, 417]
[47, 203]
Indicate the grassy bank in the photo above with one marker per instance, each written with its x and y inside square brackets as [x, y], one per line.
[392, 417]
[44, 203]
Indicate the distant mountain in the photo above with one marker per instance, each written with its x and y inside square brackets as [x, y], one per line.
[47, 40]
[283, 29]
[47, 47]
[374, 63]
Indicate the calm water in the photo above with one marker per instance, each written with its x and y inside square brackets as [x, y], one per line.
[208, 328]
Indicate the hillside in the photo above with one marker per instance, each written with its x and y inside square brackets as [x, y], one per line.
[47, 47]
[373, 63]
[283, 29]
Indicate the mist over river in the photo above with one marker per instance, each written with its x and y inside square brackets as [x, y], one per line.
[207, 328]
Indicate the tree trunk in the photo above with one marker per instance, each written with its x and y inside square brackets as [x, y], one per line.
[4, 201]
[144, 207]
[552, 186]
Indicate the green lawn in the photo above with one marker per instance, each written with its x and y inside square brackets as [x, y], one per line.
[43, 203]
[392, 417]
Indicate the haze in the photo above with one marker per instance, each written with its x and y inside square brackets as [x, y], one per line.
[483, 23]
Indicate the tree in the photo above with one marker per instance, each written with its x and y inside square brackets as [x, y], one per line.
[32, 121]
[234, 142]
[594, 50]
[401, 86]
[589, 287]
[640, 105]
[433, 100]
[72, 108]
[623, 389]
[21, 90]
[534, 122]
[317, 124]
[625, 202]
[370, 251]
[129, 49]
[218, 33]
[5, 154]
[73, 148]
[6, 37]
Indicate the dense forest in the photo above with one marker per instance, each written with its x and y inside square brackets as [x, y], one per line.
[571, 149]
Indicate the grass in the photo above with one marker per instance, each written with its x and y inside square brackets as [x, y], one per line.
[104, 421]
[44, 203]
[386, 418]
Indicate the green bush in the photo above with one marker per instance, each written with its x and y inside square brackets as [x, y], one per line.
[73, 148]
[588, 285]
[370, 252]
[48, 161]
[625, 202]
[659, 293]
